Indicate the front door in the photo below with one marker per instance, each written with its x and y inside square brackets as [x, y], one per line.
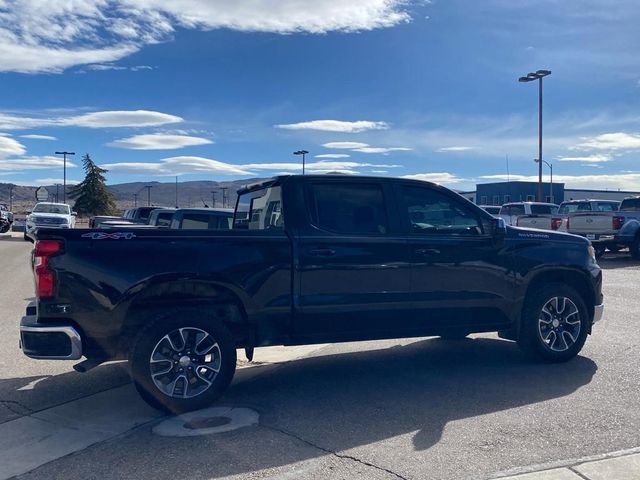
[460, 277]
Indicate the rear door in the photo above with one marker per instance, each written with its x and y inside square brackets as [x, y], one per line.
[353, 262]
[460, 276]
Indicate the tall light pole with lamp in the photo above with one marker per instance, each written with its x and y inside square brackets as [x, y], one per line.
[550, 165]
[530, 77]
[64, 181]
[303, 153]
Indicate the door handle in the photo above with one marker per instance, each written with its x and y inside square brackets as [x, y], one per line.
[322, 252]
[427, 252]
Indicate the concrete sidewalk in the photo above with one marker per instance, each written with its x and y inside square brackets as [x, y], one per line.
[624, 465]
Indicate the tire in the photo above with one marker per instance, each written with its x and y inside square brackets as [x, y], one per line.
[599, 249]
[634, 248]
[613, 248]
[26, 238]
[564, 325]
[192, 382]
[455, 335]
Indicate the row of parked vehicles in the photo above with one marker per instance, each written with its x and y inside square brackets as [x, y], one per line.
[166, 217]
[608, 224]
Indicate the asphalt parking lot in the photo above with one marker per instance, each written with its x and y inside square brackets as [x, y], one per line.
[414, 409]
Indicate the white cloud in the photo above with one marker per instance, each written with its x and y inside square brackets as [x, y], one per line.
[454, 149]
[53, 181]
[595, 158]
[438, 177]
[10, 146]
[37, 36]
[38, 137]
[610, 141]
[100, 67]
[176, 166]
[381, 149]
[333, 155]
[158, 141]
[345, 145]
[336, 126]
[33, 163]
[102, 119]
[315, 167]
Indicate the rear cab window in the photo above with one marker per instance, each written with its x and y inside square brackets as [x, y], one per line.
[260, 210]
[544, 209]
[630, 205]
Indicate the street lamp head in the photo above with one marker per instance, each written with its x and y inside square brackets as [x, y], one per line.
[536, 160]
[543, 73]
[300, 152]
[524, 79]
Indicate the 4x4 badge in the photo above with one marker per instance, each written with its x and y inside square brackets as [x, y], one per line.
[112, 236]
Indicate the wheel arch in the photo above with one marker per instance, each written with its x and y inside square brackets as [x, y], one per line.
[155, 298]
[576, 279]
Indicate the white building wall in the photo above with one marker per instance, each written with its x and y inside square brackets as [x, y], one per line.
[579, 194]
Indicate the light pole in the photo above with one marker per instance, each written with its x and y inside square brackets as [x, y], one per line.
[135, 200]
[550, 165]
[538, 75]
[11, 197]
[64, 181]
[148, 187]
[303, 153]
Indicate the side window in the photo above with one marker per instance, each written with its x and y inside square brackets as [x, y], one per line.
[164, 219]
[431, 212]
[219, 222]
[517, 210]
[260, 210]
[355, 208]
[195, 221]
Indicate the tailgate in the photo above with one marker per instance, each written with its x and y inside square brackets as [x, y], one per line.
[541, 222]
[591, 223]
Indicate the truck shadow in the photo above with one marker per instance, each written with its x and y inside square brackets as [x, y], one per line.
[342, 401]
[617, 260]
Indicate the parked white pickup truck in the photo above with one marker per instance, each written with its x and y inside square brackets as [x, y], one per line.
[542, 216]
[596, 220]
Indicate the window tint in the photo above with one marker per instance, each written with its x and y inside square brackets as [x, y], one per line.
[431, 212]
[260, 210]
[164, 219]
[544, 209]
[195, 221]
[574, 207]
[606, 206]
[220, 222]
[348, 208]
[515, 210]
[630, 205]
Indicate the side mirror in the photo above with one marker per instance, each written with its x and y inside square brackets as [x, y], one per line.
[498, 227]
[75, 214]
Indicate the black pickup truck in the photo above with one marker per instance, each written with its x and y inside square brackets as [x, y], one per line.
[310, 259]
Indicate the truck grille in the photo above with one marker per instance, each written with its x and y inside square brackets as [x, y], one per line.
[49, 221]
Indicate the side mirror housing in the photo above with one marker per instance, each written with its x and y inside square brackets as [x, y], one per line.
[498, 227]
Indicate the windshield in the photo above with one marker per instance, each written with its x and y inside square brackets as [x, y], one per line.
[51, 208]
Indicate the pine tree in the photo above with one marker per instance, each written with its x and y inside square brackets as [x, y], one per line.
[91, 195]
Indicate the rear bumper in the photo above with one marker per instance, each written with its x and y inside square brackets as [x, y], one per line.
[598, 311]
[48, 341]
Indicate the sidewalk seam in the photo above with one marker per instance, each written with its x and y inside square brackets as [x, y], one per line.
[333, 452]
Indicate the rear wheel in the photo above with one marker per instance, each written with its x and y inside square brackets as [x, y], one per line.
[183, 361]
[599, 249]
[554, 323]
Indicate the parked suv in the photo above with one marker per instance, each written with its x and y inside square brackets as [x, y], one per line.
[537, 215]
[50, 215]
[6, 218]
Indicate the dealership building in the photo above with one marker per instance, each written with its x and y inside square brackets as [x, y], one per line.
[498, 193]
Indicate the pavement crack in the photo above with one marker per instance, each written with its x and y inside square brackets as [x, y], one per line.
[333, 452]
[15, 407]
[577, 473]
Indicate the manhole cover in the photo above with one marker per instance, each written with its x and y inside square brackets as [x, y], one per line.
[207, 422]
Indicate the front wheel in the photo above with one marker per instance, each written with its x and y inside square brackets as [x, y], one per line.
[183, 361]
[634, 248]
[554, 323]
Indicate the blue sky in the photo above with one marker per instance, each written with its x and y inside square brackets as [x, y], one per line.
[224, 90]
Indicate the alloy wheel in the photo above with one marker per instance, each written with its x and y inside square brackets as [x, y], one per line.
[559, 324]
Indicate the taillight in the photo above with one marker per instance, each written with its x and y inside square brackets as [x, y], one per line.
[617, 223]
[45, 278]
[555, 223]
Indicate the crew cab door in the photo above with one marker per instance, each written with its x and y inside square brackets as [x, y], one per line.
[353, 264]
[459, 276]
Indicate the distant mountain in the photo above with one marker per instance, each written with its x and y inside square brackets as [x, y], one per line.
[190, 194]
